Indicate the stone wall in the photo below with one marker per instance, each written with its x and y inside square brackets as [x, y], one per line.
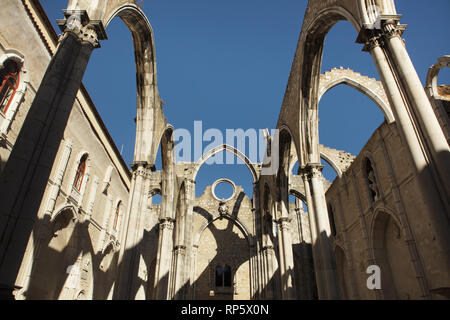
[390, 229]
[90, 238]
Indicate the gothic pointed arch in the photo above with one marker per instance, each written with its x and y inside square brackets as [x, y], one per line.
[370, 87]
[228, 148]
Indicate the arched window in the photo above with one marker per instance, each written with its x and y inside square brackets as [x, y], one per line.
[372, 181]
[227, 276]
[331, 217]
[219, 276]
[78, 182]
[9, 82]
[116, 216]
[223, 276]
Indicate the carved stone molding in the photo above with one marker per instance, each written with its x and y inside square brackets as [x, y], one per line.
[312, 170]
[284, 223]
[390, 27]
[77, 22]
[180, 250]
[166, 223]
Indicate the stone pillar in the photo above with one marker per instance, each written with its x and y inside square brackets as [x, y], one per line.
[270, 283]
[287, 270]
[132, 236]
[25, 176]
[164, 258]
[374, 43]
[307, 285]
[326, 275]
[434, 137]
[179, 253]
[317, 259]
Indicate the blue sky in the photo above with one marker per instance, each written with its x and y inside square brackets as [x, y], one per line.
[226, 63]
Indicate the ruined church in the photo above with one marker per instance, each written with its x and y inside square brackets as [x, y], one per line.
[76, 222]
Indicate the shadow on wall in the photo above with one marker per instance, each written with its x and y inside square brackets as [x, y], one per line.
[2, 164]
[69, 266]
[394, 251]
[227, 253]
[305, 282]
[66, 244]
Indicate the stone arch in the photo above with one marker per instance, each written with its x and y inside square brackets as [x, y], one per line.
[438, 95]
[154, 191]
[391, 254]
[150, 120]
[433, 75]
[212, 217]
[331, 157]
[300, 104]
[65, 209]
[298, 195]
[216, 242]
[370, 87]
[230, 218]
[303, 84]
[343, 272]
[228, 148]
[59, 252]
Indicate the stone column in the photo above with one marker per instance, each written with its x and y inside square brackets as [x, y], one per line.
[374, 43]
[287, 271]
[269, 291]
[321, 291]
[132, 236]
[179, 253]
[307, 274]
[325, 269]
[284, 239]
[164, 258]
[434, 137]
[25, 176]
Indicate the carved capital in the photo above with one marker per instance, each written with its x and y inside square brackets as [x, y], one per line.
[312, 170]
[391, 27]
[180, 250]
[284, 223]
[166, 223]
[370, 38]
[141, 170]
[373, 42]
[77, 23]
